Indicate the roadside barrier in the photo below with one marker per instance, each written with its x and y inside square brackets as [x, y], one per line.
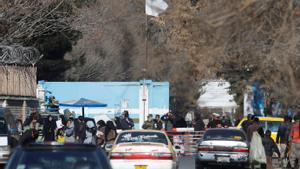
[185, 140]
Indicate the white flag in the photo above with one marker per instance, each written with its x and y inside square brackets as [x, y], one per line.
[155, 7]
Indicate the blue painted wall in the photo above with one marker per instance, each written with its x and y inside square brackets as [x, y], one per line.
[110, 93]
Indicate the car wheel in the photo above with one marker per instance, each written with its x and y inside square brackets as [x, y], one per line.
[245, 166]
[200, 165]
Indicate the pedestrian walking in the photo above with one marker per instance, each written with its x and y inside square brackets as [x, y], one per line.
[294, 144]
[257, 154]
[149, 123]
[69, 131]
[49, 129]
[110, 132]
[158, 124]
[247, 123]
[255, 134]
[283, 137]
[255, 127]
[168, 120]
[80, 130]
[126, 122]
[270, 147]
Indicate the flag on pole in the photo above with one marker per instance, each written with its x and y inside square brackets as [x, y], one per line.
[155, 7]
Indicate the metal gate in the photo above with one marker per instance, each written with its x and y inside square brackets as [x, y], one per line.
[186, 140]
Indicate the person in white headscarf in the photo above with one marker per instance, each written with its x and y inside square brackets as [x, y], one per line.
[90, 133]
[69, 131]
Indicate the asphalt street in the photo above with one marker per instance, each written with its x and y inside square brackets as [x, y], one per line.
[188, 162]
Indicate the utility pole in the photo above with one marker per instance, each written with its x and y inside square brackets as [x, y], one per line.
[145, 70]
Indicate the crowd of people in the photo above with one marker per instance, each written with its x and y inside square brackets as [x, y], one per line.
[69, 130]
[288, 139]
[72, 130]
[79, 130]
[218, 121]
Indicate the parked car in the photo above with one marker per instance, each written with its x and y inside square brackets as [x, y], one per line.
[8, 134]
[58, 156]
[142, 149]
[267, 123]
[223, 146]
[5, 148]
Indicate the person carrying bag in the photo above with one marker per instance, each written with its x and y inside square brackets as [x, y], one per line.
[257, 151]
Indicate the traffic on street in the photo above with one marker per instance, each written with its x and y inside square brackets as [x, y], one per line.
[61, 142]
[149, 84]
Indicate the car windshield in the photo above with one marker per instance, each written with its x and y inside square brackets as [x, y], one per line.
[142, 137]
[59, 160]
[235, 135]
[270, 125]
[3, 126]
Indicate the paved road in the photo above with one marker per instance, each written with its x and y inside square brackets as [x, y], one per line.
[189, 163]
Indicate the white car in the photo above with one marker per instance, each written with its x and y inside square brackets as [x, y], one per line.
[143, 149]
[226, 146]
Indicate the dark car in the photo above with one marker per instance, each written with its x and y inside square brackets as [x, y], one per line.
[8, 134]
[58, 156]
[5, 141]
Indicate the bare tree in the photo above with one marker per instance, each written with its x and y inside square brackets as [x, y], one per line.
[26, 20]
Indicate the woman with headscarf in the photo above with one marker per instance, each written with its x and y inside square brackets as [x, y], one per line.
[49, 129]
[100, 133]
[69, 131]
[110, 133]
[90, 133]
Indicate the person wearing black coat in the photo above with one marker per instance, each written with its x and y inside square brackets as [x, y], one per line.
[158, 124]
[245, 124]
[80, 130]
[110, 132]
[180, 122]
[199, 125]
[126, 122]
[28, 137]
[270, 147]
[49, 129]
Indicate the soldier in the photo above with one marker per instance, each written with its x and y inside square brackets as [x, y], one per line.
[149, 123]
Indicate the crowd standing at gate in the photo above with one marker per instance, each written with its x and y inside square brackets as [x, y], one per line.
[77, 130]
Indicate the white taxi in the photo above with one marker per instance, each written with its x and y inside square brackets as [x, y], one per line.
[142, 149]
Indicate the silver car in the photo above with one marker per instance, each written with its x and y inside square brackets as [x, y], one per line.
[223, 146]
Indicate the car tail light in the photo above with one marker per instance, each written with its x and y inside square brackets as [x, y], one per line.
[225, 149]
[241, 149]
[141, 156]
[205, 148]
